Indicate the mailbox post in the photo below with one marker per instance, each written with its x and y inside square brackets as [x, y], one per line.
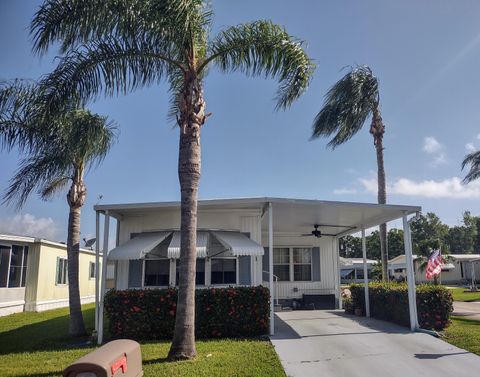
[119, 358]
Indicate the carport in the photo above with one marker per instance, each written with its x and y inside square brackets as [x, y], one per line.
[338, 219]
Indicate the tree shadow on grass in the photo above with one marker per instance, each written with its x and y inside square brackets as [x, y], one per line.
[47, 374]
[48, 335]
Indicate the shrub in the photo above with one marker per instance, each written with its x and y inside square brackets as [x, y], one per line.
[220, 312]
[389, 301]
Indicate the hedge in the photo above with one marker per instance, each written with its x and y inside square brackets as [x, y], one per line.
[220, 312]
[389, 301]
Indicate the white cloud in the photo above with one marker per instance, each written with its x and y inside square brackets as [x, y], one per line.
[478, 136]
[29, 225]
[344, 191]
[469, 147]
[432, 147]
[450, 188]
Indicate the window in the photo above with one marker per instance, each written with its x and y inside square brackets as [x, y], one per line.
[91, 270]
[13, 266]
[224, 271]
[62, 268]
[302, 264]
[359, 273]
[292, 264]
[199, 274]
[281, 263]
[157, 272]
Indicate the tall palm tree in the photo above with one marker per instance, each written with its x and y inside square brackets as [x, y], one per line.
[115, 46]
[472, 159]
[348, 104]
[58, 154]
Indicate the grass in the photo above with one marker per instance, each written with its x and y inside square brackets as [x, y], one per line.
[459, 294]
[37, 344]
[464, 333]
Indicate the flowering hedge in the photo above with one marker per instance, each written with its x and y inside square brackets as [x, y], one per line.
[389, 301]
[220, 312]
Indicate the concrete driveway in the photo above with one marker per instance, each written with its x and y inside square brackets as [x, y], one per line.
[330, 343]
[470, 310]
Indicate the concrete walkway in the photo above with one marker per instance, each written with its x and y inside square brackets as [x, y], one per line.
[330, 343]
[470, 310]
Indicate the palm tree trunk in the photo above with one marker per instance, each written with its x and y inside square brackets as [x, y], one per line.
[75, 198]
[377, 129]
[191, 119]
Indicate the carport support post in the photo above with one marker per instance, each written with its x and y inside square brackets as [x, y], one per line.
[270, 266]
[106, 232]
[338, 283]
[365, 273]
[97, 264]
[412, 303]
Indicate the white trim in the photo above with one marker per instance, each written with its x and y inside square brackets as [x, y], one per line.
[6, 304]
[40, 306]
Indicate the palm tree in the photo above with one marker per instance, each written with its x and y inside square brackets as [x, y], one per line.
[348, 104]
[117, 46]
[57, 154]
[472, 159]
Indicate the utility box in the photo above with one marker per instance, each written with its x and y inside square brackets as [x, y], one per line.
[119, 358]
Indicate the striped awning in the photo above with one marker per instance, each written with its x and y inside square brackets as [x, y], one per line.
[139, 246]
[174, 247]
[238, 244]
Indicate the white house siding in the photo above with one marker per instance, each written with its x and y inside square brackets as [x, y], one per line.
[246, 221]
[326, 285]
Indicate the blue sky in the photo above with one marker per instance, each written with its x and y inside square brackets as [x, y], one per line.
[425, 53]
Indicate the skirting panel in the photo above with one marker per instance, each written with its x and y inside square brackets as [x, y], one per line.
[7, 308]
[54, 304]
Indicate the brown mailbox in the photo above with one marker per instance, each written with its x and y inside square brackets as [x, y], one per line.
[119, 358]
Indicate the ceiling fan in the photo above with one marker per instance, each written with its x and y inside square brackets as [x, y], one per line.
[317, 233]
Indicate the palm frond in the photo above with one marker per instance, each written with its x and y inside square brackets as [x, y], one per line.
[19, 115]
[51, 188]
[108, 66]
[263, 48]
[472, 159]
[164, 23]
[347, 106]
[34, 172]
[78, 140]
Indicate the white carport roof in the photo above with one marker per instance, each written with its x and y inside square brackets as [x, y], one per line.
[295, 216]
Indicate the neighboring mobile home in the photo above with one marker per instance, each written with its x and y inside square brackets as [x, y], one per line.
[456, 271]
[351, 269]
[33, 274]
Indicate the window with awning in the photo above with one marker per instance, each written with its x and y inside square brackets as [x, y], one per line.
[154, 256]
[155, 243]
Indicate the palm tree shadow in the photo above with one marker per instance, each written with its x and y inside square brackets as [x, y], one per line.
[48, 335]
[434, 356]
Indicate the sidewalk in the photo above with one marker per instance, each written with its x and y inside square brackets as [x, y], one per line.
[469, 310]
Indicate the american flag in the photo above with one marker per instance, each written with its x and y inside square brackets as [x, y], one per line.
[435, 264]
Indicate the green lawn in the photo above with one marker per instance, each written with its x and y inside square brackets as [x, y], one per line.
[36, 344]
[464, 333]
[459, 294]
